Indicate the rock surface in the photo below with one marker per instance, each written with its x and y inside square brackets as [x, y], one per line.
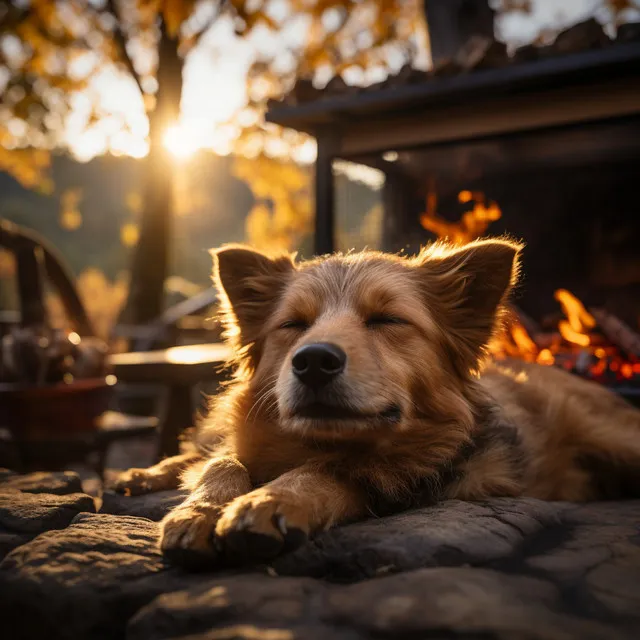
[57, 483]
[36, 513]
[154, 506]
[505, 568]
[26, 513]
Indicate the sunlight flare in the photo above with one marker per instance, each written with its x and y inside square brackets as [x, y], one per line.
[180, 141]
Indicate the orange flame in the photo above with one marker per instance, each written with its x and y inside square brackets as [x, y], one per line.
[523, 341]
[574, 329]
[472, 225]
[545, 357]
[579, 320]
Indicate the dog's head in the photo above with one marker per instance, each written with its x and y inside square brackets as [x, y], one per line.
[349, 345]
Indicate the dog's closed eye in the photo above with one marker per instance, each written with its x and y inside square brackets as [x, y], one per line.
[297, 325]
[382, 319]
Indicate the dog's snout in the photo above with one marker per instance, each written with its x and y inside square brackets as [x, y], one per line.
[317, 364]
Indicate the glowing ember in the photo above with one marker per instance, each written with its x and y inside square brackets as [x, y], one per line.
[573, 347]
[545, 357]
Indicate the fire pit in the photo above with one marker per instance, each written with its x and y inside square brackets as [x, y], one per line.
[592, 343]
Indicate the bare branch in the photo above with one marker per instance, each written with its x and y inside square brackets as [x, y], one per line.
[121, 41]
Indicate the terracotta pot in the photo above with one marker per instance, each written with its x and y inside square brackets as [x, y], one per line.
[51, 411]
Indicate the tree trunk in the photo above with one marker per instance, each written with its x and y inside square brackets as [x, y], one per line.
[150, 263]
[451, 23]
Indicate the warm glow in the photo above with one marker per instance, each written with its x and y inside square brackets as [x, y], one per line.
[523, 340]
[197, 353]
[571, 335]
[181, 142]
[129, 234]
[545, 357]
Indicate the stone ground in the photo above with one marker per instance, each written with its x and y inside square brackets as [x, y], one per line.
[503, 568]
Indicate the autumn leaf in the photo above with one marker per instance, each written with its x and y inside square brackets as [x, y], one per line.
[70, 216]
[129, 234]
[282, 214]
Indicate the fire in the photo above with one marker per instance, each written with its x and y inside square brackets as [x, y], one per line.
[579, 321]
[472, 225]
[523, 340]
[580, 342]
[573, 347]
[545, 357]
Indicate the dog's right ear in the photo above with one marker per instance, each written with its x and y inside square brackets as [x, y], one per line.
[249, 283]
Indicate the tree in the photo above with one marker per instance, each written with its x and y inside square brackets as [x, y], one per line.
[50, 50]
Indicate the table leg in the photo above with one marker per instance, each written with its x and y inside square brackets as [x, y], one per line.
[178, 416]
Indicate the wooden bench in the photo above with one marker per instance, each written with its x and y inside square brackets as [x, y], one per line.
[179, 370]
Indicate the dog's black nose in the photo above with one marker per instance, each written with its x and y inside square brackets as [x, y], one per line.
[317, 364]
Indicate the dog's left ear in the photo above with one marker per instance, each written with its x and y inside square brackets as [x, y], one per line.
[469, 285]
[249, 283]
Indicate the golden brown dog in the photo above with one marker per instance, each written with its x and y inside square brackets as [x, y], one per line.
[361, 388]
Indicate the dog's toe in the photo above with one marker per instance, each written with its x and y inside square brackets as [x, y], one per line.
[187, 535]
[253, 530]
[134, 482]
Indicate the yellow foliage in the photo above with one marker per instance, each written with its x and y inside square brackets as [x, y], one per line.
[28, 166]
[102, 299]
[129, 234]
[282, 214]
[349, 33]
[70, 216]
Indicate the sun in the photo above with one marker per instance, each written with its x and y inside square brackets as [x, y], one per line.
[180, 141]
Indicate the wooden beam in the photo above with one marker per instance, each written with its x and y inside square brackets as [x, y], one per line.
[505, 114]
[438, 94]
[324, 238]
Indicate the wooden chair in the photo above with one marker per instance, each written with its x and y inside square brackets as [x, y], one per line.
[37, 261]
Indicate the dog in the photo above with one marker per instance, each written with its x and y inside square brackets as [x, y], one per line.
[362, 387]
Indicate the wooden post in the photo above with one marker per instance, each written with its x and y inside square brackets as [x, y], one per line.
[452, 22]
[324, 238]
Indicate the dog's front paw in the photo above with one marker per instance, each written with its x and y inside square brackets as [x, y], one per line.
[135, 482]
[187, 535]
[259, 526]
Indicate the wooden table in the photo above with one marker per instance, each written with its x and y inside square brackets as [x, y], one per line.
[179, 369]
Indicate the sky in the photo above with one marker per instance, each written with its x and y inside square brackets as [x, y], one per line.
[215, 90]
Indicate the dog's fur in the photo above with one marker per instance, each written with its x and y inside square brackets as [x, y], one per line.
[430, 418]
